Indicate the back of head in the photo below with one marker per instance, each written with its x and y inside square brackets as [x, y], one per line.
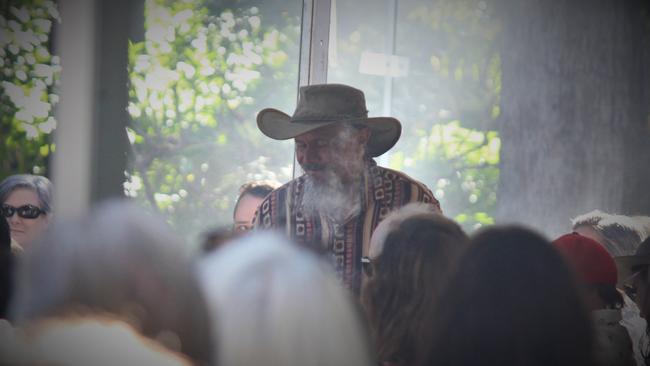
[594, 267]
[277, 304]
[259, 189]
[407, 275]
[122, 261]
[619, 234]
[512, 301]
[214, 239]
[250, 196]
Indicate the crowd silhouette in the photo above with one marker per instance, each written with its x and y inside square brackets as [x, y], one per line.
[119, 287]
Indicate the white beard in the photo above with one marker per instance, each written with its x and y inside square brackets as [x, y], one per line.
[331, 198]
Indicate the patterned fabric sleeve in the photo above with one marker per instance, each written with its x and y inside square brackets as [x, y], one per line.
[413, 190]
[263, 215]
[428, 196]
[272, 212]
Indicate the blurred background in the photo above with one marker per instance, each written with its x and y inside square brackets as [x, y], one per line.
[512, 111]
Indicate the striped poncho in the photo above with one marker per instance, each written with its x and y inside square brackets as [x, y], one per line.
[385, 190]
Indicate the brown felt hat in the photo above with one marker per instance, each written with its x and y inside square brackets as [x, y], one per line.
[326, 104]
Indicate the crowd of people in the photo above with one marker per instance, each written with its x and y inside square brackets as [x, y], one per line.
[348, 264]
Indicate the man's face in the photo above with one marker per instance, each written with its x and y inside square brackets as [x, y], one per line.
[333, 149]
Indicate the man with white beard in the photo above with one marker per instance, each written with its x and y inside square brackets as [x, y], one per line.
[342, 195]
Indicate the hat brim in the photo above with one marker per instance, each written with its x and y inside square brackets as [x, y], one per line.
[628, 265]
[384, 131]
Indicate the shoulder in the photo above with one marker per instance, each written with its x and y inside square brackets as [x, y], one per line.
[419, 191]
[272, 211]
[401, 176]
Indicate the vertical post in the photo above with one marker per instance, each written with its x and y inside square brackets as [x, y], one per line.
[391, 50]
[314, 41]
[90, 154]
[73, 137]
[314, 45]
[111, 97]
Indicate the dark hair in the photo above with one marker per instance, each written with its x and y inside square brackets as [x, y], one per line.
[6, 267]
[5, 236]
[512, 301]
[37, 183]
[215, 238]
[259, 189]
[406, 279]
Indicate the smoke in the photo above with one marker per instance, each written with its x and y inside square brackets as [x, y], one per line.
[335, 191]
[330, 197]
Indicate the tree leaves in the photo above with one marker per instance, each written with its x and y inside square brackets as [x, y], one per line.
[28, 77]
[197, 81]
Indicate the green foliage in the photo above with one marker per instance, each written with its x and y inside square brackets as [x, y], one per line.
[203, 71]
[448, 103]
[28, 76]
[460, 153]
[197, 82]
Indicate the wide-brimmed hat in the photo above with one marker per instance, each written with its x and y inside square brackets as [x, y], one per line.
[629, 264]
[325, 104]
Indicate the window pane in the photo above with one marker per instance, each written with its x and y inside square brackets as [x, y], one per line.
[198, 79]
[432, 65]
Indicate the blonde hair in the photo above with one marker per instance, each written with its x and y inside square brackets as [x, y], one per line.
[277, 304]
[392, 223]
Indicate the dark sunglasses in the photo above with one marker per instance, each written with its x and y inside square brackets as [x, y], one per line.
[26, 211]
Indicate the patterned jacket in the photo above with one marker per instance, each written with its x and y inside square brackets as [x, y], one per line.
[385, 190]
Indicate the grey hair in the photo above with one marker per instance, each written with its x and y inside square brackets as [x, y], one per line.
[622, 234]
[37, 183]
[392, 221]
[278, 304]
[118, 260]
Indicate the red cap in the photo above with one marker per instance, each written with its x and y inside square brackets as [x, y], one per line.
[588, 258]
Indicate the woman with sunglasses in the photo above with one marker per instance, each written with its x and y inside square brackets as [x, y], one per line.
[25, 200]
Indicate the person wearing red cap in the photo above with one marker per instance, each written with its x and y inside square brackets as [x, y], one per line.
[596, 271]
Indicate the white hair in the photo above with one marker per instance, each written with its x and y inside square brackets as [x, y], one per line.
[622, 234]
[392, 221]
[277, 304]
